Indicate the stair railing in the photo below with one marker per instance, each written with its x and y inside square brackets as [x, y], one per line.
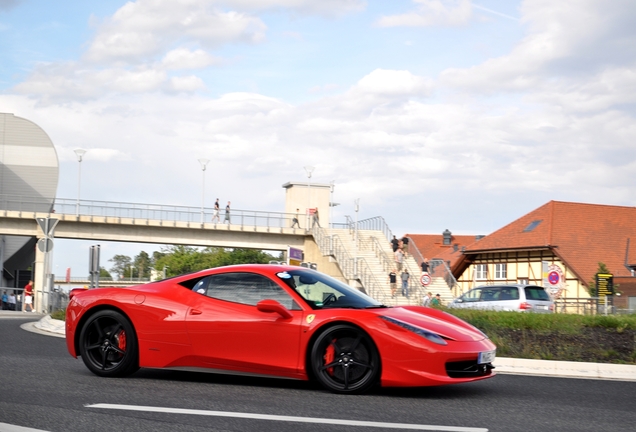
[375, 223]
[415, 289]
[334, 246]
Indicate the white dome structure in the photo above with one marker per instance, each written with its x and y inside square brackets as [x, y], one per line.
[29, 174]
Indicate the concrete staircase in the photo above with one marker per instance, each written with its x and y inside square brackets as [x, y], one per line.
[375, 260]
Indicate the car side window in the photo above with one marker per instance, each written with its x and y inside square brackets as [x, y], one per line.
[490, 294]
[509, 293]
[473, 295]
[245, 288]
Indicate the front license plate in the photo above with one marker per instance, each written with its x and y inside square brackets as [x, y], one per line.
[486, 357]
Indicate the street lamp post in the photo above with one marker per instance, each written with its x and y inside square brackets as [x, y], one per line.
[80, 154]
[309, 169]
[203, 163]
[331, 203]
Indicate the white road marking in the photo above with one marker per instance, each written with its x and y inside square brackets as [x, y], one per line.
[6, 427]
[408, 426]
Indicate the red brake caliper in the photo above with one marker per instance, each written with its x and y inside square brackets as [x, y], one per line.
[121, 340]
[330, 355]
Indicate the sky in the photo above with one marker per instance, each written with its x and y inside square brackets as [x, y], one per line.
[436, 114]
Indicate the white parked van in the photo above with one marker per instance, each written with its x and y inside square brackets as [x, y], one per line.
[513, 297]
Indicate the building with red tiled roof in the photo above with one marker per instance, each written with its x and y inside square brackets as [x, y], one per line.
[446, 246]
[559, 245]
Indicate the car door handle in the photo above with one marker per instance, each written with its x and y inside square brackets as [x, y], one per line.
[195, 312]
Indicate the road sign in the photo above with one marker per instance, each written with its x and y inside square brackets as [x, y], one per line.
[425, 279]
[47, 225]
[45, 244]
[604, 284]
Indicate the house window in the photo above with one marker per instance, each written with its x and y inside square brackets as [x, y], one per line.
[481, 271]
[501, 271]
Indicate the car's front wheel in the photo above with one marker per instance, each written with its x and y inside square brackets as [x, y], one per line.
[344, 359]
[108, 345]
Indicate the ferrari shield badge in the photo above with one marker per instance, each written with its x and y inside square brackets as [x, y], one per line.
[310, 318]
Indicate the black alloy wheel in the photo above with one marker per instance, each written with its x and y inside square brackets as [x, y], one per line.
[344, 359]
[108, 345]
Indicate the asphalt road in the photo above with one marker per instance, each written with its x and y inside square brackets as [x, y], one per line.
[42, 387]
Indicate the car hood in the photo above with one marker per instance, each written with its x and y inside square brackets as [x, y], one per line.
[436, 321]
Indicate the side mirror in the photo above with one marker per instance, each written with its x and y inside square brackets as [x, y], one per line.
[270, 306]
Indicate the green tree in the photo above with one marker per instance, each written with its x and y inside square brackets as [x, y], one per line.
[186, 259]
[142, 264]
[121, 265]
[103, 273]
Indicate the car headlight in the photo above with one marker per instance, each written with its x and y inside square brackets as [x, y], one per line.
[428, 335]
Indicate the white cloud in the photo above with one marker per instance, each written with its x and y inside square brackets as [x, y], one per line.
[570, 39]
[182, 58]
[393, 83]
[143, 29]
[323, 7]
[431, 13]
[186, 84]
[71, 82]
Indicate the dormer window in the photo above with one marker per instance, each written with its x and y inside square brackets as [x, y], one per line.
[447, 237]
[532, 225]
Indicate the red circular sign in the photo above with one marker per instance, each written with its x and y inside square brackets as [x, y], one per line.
[554, 278]
[425, 280]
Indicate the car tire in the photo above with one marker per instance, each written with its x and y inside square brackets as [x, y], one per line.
[108, 344]
[345, 360]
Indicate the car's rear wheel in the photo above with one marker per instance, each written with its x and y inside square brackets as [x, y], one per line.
[108, 344]
[344, 359]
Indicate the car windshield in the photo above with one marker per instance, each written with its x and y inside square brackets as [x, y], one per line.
[321, 291]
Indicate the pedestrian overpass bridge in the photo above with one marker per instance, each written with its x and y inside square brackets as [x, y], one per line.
[357, 253]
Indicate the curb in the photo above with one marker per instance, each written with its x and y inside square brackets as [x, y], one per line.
[565, 369]
[47, 326]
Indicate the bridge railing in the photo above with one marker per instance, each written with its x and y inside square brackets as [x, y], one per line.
[170, 213]
[25, 204]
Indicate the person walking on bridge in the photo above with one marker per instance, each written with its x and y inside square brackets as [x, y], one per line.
[316, 219]
[295, 222]
[227, 214]
[215, 215]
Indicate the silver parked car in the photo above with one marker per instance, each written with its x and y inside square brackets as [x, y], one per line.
[513, 297]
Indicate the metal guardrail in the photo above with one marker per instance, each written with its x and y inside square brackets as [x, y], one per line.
[86, 280]
[58, 300]
[25, 204]
[333, 245]
[371, 224]
[388, 264]
[587, 306]
[437, 268]
[124, 210]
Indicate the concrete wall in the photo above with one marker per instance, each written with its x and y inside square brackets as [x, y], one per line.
[304, 196]
[325, 264]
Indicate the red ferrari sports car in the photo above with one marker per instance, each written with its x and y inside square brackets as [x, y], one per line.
[272, 320]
